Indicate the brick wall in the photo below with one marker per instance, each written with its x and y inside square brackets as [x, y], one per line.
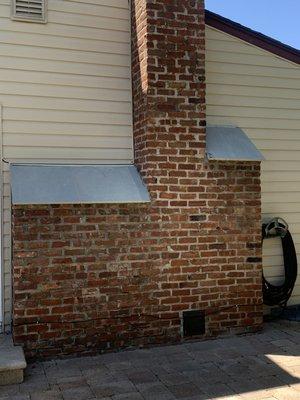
[91, 277]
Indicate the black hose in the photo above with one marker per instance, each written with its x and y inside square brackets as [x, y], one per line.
[274, 295]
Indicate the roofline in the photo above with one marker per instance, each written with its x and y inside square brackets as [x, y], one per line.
[252, 37]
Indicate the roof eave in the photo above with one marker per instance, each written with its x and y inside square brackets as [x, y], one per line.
[252, 37]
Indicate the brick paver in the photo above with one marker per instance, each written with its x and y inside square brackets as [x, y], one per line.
[264, 366]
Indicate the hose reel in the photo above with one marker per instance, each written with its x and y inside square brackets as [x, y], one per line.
[278, 295]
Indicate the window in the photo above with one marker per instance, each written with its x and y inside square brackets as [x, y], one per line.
[29, 10]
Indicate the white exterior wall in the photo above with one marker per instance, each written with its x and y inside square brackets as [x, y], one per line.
[260, 93]
[65, 91]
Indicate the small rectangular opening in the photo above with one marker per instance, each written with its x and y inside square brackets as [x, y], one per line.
[193, 323]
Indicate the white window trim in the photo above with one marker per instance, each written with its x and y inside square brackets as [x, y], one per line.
[15, 17]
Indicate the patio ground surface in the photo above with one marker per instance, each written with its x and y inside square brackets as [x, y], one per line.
[260, 366]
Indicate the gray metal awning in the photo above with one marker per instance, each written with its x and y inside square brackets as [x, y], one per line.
[75, 184]
[230, 143]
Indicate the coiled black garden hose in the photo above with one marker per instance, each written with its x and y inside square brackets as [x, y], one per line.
[278, 295]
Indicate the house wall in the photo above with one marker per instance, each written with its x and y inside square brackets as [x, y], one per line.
[260, 93]
[65, 88]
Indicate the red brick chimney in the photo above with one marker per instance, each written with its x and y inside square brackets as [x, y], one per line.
[90, 277]
[168, 75]
[208, 213]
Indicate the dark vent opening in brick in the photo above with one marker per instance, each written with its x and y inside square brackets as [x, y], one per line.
[193, 323]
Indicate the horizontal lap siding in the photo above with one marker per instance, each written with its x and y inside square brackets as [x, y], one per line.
[66, 91]
[259, 92]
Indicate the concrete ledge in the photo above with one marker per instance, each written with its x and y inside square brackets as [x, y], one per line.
[12, 361]
[11, 377]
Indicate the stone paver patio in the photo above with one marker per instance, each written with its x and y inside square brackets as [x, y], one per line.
[260, 366]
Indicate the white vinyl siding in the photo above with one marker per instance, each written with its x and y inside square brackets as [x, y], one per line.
[65, 88]
[260, 93]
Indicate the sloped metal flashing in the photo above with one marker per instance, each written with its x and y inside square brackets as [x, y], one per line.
[76, 184]
[229, 143]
